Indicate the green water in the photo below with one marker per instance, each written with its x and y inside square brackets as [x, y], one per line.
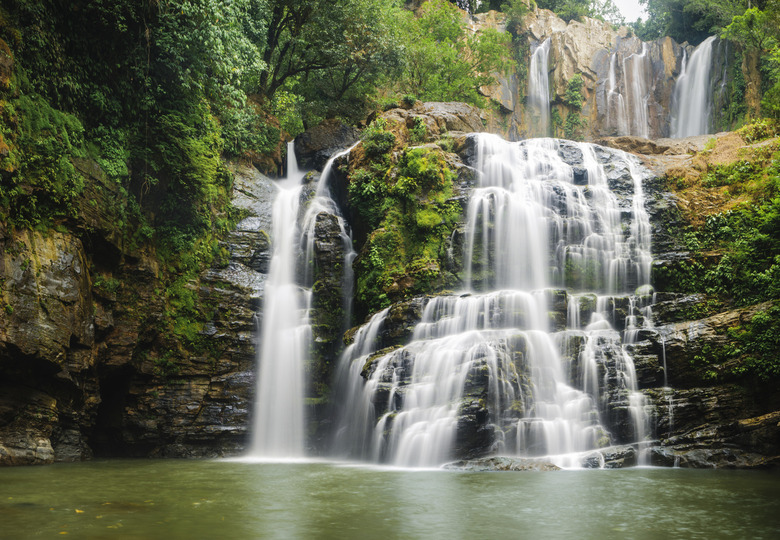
[169, 499]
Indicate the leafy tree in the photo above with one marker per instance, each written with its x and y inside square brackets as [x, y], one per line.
[758, 33]
[607, 11]
[442, 62]
[332, 53]
[567, 9]
[687, 20]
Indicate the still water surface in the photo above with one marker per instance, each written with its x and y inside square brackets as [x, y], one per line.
[167, 499]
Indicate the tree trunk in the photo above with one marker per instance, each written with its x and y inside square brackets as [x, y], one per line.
[752, 75]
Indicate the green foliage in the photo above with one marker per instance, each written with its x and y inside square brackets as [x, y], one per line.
[752, 29]
[418, 131]
[739, 172]
[748, 237]
[287, 108]
[736, 107]
[573, 97]
[606, 10]
[515, 11]
[751, 352]
[686, 20]
[41, 184]
[770, 104]
[377, 140]
[412, 218]
[572, 128]
[333, 54]
[444, 63]
[567, 9]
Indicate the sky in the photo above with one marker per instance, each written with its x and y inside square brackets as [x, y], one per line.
[630, 9]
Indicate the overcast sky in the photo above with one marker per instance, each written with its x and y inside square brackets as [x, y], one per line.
[630, 9]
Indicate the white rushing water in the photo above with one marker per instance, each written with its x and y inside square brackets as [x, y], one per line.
[692, 99]
[616, 115]
[285, 338]
[540, 232]
[539, 89]
[637, 72]
[628, 93]
[285, 334]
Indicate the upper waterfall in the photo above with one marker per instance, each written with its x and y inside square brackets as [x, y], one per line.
[692, 102]
[539, 89]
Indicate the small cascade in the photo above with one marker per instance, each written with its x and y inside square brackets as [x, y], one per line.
[692, 98]
[285, 337]
[530, 359]
[627, 92]
[539, 89]
[617, 114]
[637, 70]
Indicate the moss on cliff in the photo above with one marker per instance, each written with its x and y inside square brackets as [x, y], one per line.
[733, 240]
[405, 203]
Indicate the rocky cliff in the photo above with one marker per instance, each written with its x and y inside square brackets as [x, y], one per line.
[86, 364]
[86, 368]
[627, 84]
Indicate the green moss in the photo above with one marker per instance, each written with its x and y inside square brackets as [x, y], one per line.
[377, 140]
[418, 132]
[404, 255]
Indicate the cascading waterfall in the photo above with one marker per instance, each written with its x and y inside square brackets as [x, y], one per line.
[286, 336]
[498, 370]
[539, 89]
[692, 99]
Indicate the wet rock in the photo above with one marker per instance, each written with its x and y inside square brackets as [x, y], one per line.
[611, 457]
[316, 145]
[502, 464]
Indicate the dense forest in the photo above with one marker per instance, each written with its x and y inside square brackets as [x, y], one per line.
[159, 92]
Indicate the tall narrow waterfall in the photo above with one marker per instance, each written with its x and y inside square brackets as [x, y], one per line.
[529, 359]
[286, 333]
[692, 100]
[616, 115]
[539, 90]
[637, 70]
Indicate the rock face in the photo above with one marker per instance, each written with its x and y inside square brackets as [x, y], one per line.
[83, 364]
[439, 118]
[628, 85]
[314, 147]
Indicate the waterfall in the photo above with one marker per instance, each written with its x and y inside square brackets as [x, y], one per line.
[628, 89]
[692, 96]
[529, 359]
[637, 70]
[617, 115]
[285, 333]
[285, 337]
[539, 89]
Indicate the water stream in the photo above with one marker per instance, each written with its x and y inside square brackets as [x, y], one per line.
[285, 338]
[539, 89]
[530, 358]
[692, 100]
